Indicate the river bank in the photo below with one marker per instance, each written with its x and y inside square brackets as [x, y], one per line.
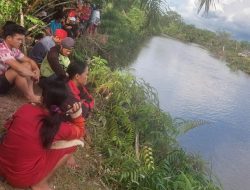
[194, 85]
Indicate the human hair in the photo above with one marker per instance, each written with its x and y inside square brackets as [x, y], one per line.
[58, 15]
[39, 36]
[12, 29]
[8, 22]
[54, 94]
[76, 67]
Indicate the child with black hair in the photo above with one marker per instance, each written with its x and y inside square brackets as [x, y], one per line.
[40, 139]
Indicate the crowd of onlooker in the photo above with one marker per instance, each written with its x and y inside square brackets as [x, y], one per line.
[83, 18]
[43, 134]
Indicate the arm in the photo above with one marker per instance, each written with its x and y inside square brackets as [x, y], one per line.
[55, 64]
[86, 98]
[33, 65]
[78, 130]
[38, 53]
[20, 69]
[72, 130]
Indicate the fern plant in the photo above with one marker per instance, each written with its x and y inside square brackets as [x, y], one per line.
[131, 122]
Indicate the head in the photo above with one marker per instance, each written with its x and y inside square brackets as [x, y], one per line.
[8, 22]
[14, 35]
[54, 95]
[38, 36]
[67, 46]
[58, 16]
[78, 72]
[59, 35]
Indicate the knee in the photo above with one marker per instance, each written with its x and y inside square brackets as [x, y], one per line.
[27, 65]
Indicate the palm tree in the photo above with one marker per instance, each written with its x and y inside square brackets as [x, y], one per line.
[206, 4]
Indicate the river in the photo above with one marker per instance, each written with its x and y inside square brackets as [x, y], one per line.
[192, 84]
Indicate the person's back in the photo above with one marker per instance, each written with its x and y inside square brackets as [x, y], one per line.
[95, 20]
[29, 151]
[96, 16]
[21, 142]
[22, 149]
[40, 49]
[56, 23]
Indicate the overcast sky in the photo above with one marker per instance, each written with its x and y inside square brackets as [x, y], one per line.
[232, 16]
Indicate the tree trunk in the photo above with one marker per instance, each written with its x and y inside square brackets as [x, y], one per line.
[22, 24]
[137, 144]
[32, 6]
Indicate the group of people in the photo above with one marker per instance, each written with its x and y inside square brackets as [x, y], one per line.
[43, 134]
[81, 19]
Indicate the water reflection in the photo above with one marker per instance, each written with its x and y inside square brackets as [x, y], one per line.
[194, 85]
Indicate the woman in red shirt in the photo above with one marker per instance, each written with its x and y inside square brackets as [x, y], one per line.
[78, 74]
[39, 139]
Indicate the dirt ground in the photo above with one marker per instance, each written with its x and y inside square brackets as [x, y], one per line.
[85, 178]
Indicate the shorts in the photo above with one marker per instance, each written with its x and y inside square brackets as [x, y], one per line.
[5, 85]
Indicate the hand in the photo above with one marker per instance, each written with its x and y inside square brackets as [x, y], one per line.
[36, 76]
[26, 72]
[75, 111]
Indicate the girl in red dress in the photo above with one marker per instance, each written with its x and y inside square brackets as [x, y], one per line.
[39, 139]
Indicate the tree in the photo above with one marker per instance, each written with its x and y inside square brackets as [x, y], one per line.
[206, 4]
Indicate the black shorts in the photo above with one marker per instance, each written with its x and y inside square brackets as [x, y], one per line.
[5, 85]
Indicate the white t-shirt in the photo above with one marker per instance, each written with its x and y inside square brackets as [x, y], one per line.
[96, 16]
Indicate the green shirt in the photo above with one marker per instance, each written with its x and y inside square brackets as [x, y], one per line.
[46, 70]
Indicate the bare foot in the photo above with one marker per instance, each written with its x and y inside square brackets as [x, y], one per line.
[71, 163]
[42, 186]
[35, 99]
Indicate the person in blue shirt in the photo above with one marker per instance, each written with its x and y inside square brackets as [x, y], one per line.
[56, 23]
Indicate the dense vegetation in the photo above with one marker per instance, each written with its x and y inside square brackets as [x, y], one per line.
[220, 44]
